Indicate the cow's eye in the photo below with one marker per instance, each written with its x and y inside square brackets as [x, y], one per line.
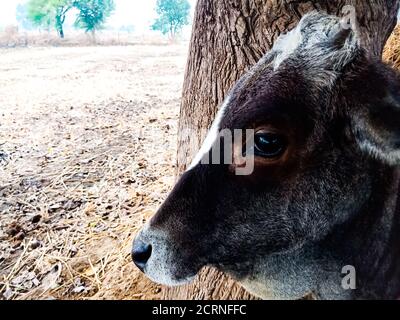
[269, 145]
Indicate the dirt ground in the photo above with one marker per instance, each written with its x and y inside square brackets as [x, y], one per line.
[87, 153]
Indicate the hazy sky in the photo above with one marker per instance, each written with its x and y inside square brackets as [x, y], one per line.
[140, 13]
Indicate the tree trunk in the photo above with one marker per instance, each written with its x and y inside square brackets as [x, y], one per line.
[228, 38]
[60, 27]
[61, 32]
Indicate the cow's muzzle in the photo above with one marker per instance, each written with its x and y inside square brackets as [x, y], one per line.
[160, 258]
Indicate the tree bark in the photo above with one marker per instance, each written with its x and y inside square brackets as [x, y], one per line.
[228, 38]
[60, 19]
[60, 27]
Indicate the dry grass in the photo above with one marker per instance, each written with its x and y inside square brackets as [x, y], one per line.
[87, 147]
[11, 37]
[392, 49]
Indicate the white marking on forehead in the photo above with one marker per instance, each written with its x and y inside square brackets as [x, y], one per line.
[211, 136]
[286, 44]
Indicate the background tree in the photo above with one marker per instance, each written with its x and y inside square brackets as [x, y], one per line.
[172, 16]
[228, 38]
[21, 15]
[46, 13]
[93, 14]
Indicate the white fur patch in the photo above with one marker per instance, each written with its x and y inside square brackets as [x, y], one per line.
[390, 157]
[286, 44]
[211, 136]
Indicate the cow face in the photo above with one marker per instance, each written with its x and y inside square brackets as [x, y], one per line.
[325, 118]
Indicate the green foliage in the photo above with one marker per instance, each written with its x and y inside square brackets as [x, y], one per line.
[172, 16]
[51, 13]
[40, 13]
[93, 13]
[47, 13]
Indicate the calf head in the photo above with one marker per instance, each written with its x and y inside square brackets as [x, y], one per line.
[325, 116]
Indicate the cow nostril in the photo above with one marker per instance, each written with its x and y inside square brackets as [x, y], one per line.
[141, 254]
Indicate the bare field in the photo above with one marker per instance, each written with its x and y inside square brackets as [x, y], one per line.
[87, 153]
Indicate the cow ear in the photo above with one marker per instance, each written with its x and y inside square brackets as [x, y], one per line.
[345, 46]
[377, 128]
